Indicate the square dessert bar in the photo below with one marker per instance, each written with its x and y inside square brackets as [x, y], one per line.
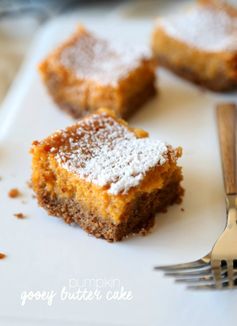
[105, 176]
[87, 72]
[200, 44]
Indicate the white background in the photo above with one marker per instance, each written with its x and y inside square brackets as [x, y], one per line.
[44, 253]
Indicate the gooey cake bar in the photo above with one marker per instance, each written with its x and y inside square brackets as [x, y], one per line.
[88, 72]
[107, 177]
[200, 44]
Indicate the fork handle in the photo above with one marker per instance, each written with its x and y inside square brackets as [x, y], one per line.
[226, 117]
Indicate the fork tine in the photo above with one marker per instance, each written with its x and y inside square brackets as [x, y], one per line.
[190, 265]
[190, 273]
[202, 287]
[208, 287]
[203, 279]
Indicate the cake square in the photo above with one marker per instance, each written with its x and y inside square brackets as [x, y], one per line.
[200, 44]
[87, 72]
[105, 176]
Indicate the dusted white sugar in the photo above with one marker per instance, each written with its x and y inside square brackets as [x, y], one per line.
[202, 27]
[124, 165]
[101, 61]
[108, 154]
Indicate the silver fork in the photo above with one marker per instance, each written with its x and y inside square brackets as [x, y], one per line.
[218, 269]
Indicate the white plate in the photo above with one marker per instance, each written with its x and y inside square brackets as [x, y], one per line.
[44, 253]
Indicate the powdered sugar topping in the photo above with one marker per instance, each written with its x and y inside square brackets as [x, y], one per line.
[100, 60]
[106, 153]
[206, 28]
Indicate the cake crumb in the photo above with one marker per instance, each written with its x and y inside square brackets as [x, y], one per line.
[29, 184]
[2, 255]
[20, 215]
[14, 193]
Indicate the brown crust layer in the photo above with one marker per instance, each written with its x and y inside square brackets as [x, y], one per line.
[219, 83]
[140, 212]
